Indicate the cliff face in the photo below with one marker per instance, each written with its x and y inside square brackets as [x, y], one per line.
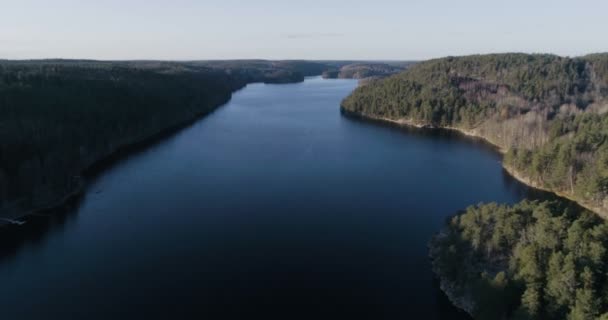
[548, 113]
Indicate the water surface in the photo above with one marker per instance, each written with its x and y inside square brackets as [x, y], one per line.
[274, 205]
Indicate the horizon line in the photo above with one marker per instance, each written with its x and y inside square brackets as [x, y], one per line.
[295, 59]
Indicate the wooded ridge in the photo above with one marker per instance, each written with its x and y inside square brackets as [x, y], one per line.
[548, 113]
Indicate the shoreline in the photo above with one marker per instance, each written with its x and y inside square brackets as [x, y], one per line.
[471, 133]
[119, 153]
[128, 149]
[464, 302]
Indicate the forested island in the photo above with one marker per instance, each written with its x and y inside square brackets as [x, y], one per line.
[548, 113]
[532, 260]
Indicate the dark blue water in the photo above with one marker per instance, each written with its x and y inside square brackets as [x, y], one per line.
[275, 205]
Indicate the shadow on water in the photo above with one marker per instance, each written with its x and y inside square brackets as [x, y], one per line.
[15, 238]
[445, 308]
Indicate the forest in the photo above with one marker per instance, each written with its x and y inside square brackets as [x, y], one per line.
[532, 260]
[365, 70]
[574, 161]
[548, 113]
[60, 117]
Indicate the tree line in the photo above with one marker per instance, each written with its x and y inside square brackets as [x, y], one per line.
[548, 112]
[59, 117]
[532, 260]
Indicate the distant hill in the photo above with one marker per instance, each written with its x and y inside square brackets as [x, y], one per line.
[547, 112]
[363, 70]
[267, 71]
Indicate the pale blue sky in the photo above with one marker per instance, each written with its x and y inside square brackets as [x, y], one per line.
[307, 29]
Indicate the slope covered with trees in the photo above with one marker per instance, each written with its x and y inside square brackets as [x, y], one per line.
[528, 261]
[364, 70]
[59, 117]
[548, 113]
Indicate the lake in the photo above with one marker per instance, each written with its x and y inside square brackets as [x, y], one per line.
[275, 205]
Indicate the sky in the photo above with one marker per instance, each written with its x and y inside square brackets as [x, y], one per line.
[306, 29]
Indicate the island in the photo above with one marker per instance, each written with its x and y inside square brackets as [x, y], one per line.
[532, 260]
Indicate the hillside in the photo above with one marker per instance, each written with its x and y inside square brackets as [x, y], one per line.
[547, 112]
[59, 118]
[364, 70]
